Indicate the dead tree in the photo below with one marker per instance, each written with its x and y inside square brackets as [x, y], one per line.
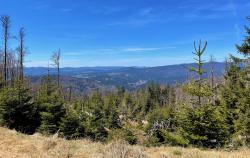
[6, 25]
[212, 77]
[56, 62]
[212, 67]
[21, 53]
[12, 65]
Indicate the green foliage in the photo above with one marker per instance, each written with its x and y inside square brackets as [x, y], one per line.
[230, 95]
[163, 137]
[243, 104]
[93, 118]
[235, 96]
[198, 88]
[162, 128]
[17, 110]
[177, 152]
[70, 125]
[51, 116]
[111, 115]
[242, 124]
[192, 118]
[123, 134]
[203, 126]
[52, 108]
[244, 48]
[151, 97]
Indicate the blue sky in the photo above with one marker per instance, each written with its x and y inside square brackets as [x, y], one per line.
[126, 32]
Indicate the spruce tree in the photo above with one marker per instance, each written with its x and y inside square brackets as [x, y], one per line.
[202, 123]
[111, 115]
[52, 107]
[198, 88]
[71, 126]
[18, 110]
[93, 118]
[230, 94]
[243, 106]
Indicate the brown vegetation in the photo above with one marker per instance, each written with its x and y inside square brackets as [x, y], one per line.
[16, 145]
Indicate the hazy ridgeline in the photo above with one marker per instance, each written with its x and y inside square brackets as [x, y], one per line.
[204, 111]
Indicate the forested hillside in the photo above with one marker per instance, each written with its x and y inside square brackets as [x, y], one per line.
[131, 78]
[206, 110]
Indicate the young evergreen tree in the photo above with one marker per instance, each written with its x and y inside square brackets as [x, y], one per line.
[198, 89]
[18, 110]
[52, 108]
[93, 118]
[243, 106]
[230, 94]
[111, 115]
[202, 123]
[71, 126]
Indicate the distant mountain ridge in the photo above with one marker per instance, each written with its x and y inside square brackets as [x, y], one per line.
[129, 77]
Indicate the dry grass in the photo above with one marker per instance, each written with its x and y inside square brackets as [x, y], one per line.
[16, 145]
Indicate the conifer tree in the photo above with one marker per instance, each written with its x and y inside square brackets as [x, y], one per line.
[203, 123]
[230, 94]
[52, 108]
[243, 106]
[18, 110]
[71, 126]
[111, 115]
[93, 118]
[198, 88]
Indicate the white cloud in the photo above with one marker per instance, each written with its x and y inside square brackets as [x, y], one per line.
[146, 11]
[44, 63]
[146, 49]
[65, 10]
[140, 49]
[112, 51]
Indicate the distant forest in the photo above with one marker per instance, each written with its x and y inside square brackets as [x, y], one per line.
[208, 111]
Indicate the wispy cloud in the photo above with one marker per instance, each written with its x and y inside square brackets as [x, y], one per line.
[146, 11]
[145, 49]
[213, 10]
[104, 10]
[65, 10]
[142, 17]
[45, 63]
[112, 51]
[41, 5]
[229, 7]
[134, 22]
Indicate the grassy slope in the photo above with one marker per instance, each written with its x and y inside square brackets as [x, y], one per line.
[13, 144]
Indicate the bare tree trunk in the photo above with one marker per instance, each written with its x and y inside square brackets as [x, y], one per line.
[6, 25]
[212, 78]
[48, 81]
[21, 53]
[56, 62]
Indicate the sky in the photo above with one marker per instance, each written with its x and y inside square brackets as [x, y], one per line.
[126, 32]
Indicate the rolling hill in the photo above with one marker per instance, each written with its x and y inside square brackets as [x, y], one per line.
[128, 77]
